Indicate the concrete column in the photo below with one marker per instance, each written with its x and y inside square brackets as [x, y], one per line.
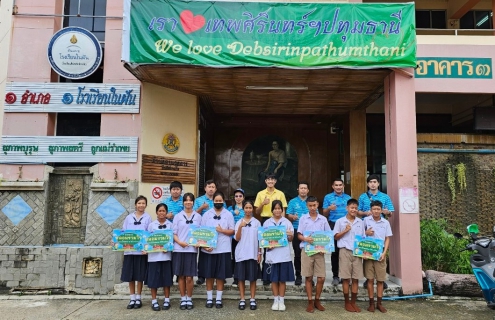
[402, 172]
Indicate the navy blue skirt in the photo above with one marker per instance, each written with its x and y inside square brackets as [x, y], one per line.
[247, 270]
[279, 272]
[159, 274]
[216, 266]
[134, 268]
[185, 264]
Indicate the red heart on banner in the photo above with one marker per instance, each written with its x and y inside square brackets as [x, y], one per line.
[191, 23]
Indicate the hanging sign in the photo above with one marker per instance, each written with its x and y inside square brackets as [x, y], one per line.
[270, 34]
[74, 53]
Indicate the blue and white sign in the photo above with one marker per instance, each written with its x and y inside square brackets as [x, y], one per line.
[74, 53]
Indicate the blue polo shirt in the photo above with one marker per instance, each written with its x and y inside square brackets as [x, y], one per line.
[174, 206]
[237, 217]
[297, 206]
[365, 201]
[200, 200]
[340, 201]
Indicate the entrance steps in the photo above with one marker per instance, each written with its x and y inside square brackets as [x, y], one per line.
[330, 292]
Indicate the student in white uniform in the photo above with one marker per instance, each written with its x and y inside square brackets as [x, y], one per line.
[247, 254]
[215, 263]
[160, 263]
[279, 268]
[184, 258]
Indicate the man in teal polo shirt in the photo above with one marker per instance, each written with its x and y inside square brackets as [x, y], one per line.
[335, 207]
[296, 209]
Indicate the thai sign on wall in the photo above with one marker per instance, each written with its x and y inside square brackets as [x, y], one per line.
[74, 53]
[266, 34]
[43, 149]
[72, 97]
[167, 169]
[442, 67]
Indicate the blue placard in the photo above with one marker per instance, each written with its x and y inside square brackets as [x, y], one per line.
[270, 237]
[202, 236]
[159, 241]
[127, 240]
[368, 248]
[323, 242]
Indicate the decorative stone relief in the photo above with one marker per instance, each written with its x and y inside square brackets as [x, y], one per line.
[92, 267]
[73, 203]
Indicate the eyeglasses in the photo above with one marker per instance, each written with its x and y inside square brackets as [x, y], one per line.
[239, 196]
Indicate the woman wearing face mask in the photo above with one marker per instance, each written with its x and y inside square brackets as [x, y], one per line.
[214, 263]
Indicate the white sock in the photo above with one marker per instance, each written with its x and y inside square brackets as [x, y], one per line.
[252, 299]
[209, 295]
[219, 295]
[183, 298]
[281, 299]
[138, 297]
[188, 298]
[154, 301]
[133, 297]
[167, 299]
[275, 298]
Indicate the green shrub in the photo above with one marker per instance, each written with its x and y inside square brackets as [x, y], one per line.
[440, 250]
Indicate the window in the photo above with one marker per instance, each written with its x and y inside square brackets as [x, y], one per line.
[431, 19]
[477, 19]
[90, 8]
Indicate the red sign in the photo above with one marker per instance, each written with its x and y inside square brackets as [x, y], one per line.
[157, 193]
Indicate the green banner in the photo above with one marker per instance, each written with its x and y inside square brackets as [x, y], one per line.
[270, 34]
[442, 67]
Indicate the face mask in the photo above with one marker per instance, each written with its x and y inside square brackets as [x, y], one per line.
[218, 205]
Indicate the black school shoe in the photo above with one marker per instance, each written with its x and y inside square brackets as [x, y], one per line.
[131, 304]
[242, 305]
[298, 281]
[138, 304]
[190, 305]
[183, 305]
[209, 304]
[253, 305]
[166, 305]
[155, 306]
[219, 304]
[200, 281]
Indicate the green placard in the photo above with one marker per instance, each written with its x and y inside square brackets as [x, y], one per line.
[441, 67]
[270, 34]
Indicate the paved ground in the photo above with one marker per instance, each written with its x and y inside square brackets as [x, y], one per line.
[113, 307]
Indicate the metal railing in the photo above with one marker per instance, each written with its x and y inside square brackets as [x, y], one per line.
[456, 32]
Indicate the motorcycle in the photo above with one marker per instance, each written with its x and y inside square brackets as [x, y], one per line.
[482, 262]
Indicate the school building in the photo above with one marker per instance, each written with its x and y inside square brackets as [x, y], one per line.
[153, 91]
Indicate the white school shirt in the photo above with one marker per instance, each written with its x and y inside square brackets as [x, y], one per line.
[159, 256]
[278, 254]
[224, 243]
[306, 223]
[128, 224]
[181, 229]
[381, 227]
[247, 247]
[357, 229]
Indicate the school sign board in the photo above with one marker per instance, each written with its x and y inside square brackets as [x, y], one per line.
[269, 34]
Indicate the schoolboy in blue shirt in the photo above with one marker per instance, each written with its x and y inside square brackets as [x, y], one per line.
[174, 202]
[296, 209]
